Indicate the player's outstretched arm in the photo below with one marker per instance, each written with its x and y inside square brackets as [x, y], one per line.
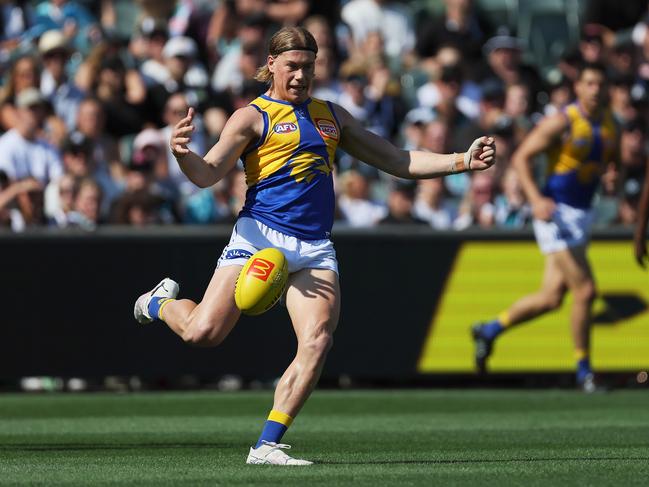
[539, 140]
[240, 131]
[375, 150]
[640, 235]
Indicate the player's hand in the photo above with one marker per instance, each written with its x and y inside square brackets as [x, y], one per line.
[640, 250]
[543, 209]
[182, 135]
[481, 155]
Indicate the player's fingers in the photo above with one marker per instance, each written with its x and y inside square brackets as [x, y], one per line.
[182, 140]
[179, 149]
[187, 119]
[184, 130]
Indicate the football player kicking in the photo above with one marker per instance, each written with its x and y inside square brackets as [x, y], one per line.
[580, 144]
[287, 143]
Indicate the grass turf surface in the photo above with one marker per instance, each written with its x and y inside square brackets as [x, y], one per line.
[422, 437]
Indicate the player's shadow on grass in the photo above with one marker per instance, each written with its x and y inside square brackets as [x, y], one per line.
[110, 446]
[619, 307]
[486, 460]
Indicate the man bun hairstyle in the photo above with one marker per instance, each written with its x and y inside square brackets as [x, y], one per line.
[286, 39]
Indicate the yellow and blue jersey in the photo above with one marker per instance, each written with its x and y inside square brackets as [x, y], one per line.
[289, 169]
[576, 164]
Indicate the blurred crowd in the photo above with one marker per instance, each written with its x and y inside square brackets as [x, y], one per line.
[92, 89]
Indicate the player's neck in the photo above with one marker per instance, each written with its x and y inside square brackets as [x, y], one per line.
[592, 113]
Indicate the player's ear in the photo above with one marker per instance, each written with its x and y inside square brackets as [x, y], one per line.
[271, 63]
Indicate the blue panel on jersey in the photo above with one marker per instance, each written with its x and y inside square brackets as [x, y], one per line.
[561, 188]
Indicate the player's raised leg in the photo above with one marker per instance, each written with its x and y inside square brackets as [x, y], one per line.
[204, 324]
[547, 298]
[313, 302]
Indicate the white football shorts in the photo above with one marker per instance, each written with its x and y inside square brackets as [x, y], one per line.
[250, 236]
[569, 227]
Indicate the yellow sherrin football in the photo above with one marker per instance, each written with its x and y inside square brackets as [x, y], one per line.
[261, 281]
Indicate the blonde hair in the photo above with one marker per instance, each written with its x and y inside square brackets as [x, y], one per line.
[286, 39]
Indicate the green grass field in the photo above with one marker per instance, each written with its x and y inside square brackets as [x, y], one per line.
[423, 437]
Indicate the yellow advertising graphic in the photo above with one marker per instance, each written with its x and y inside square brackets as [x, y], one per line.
[489, 276]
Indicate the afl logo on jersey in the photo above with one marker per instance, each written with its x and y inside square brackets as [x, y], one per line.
[327, 128]
[284, 127]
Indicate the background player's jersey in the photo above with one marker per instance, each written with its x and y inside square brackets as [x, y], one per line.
[576, 164]
[288, 171]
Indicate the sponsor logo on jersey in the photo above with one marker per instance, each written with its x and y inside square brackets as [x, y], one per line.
[284, 127]
[237, 254]
[261, 269]
[327, 128]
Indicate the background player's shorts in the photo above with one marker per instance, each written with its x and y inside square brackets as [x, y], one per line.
[569, 227]
[250, 236]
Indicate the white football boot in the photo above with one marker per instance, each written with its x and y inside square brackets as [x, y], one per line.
[271, 454]
[167, 288]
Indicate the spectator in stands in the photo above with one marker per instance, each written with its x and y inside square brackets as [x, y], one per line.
[477, 207]
[141, 179]
[87, 204]
[393, 20]
[447, 68]
[518, 108]
[458, 26]
[175, 109]
[492, 109]
[23, 74]
[401, 203]
[15, 18]
[19, 202]
[326, 85]
[213, 205]
[413, 127]
[23, 153]
[240, 61]
[510, 208]
[431, 204]
[559, 89]
[504, 62]
[61, 92]
[64, 190]
[73, 19]
[122, 94]
[621, 100]
[354, 203]
[591, 45]
[139, 208]
[153, 35]
[91, 120]
[186, 71]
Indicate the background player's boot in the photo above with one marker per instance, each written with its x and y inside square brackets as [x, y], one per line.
[271, 454]
[586, 382]
[167, 288]
[483, 347]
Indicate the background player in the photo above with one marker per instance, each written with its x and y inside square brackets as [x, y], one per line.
[287, 142]
[580, 142]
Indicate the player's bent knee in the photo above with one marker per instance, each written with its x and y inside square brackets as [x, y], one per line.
[318, 346]
[203, 335]
[586, 292]
[553, 301]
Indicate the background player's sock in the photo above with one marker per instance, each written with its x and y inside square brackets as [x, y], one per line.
[583, 364]
[275, 427]
[493, 328]
[156, 305]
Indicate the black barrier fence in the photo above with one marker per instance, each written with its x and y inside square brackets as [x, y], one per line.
[67, 303]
